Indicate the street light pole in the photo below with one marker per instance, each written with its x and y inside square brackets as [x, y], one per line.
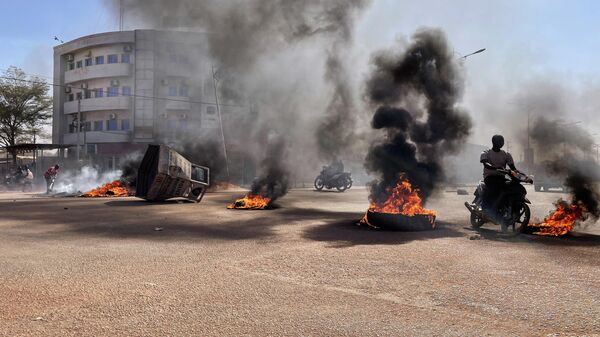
[473, 53]
[214, 75]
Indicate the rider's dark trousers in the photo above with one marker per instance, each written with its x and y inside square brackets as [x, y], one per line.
[493, 187]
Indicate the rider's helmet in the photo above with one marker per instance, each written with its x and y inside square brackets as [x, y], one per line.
[498, 141]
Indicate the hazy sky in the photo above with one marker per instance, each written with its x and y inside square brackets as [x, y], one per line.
[533, 47]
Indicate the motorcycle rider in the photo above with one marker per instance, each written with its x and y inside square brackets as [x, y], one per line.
[493, 159]
[336, 167]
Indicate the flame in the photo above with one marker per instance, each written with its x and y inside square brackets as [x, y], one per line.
[251, 201]
[561, 221]
[112, 189]
[403, 199]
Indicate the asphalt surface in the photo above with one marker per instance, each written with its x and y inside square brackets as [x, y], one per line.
[106, 267]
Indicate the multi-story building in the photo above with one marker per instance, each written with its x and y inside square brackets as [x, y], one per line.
[132, 88]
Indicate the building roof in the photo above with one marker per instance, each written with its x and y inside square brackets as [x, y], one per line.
[20, 148]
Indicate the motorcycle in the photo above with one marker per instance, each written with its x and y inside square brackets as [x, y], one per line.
[14, 181]
[509, 209]
[340, 181]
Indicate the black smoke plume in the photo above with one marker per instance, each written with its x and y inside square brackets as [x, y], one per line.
[274, 180]
[245, 38]
[564, 150]
[415, 94]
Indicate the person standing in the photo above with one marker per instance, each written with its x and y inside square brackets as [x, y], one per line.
[50, 176]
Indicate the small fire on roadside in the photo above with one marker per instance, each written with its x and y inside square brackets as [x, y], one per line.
[251, 201]
[112, 189]
[403, 199]
[561, 221]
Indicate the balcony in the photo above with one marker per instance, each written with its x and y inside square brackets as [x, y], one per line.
[178, 103]
[98, 71]
[99, 104]
[95, 137]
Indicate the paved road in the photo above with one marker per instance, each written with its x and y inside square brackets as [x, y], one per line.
[98, 267]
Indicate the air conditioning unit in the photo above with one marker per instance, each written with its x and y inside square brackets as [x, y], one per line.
[67, 90]
[114, 83]
[164, 82]
[112, 116]
[84, 85]
[164, 116]
[70, 57]
[127, 48]
[183, 116]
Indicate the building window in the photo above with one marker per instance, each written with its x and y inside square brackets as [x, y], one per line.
[126, 91]
[99, 59]
[125, 124]
[113, 92]
[87, 126]
[87, 93]
[114, 58]
[71, 97]
[71, 65]
[88, 62]
[91, 148]
[172, 91]
[79, 64]
[98, 125]
[98, 93]
[211, 110]
[112, 125]
[125, 58]
[183, 91]
[78, 95]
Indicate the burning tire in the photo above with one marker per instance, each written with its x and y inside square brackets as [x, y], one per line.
[400, 222]
[319, 183]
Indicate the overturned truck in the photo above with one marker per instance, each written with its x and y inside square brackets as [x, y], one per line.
[165, 174]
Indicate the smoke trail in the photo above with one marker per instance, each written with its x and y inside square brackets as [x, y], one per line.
[255, 43]
[83, 180]
[336, 131]
[415, 93]
[562, 146]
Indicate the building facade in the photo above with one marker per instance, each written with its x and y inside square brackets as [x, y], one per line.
[122, 90]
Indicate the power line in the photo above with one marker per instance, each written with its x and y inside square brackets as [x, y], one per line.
[130, 95]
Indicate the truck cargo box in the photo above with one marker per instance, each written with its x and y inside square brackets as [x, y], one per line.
[165, 174]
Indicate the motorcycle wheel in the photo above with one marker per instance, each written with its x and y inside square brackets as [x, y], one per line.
[522, 214]
[342, 187]
[348, 183]
[476, 221]
[319, 183]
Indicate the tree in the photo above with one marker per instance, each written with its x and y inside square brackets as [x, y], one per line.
[24, 107]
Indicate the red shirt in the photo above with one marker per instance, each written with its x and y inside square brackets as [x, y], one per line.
[51, 172]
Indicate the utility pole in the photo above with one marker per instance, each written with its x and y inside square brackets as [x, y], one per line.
[34, 149]
[121, 12]
[78, 124]
[220, 122]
